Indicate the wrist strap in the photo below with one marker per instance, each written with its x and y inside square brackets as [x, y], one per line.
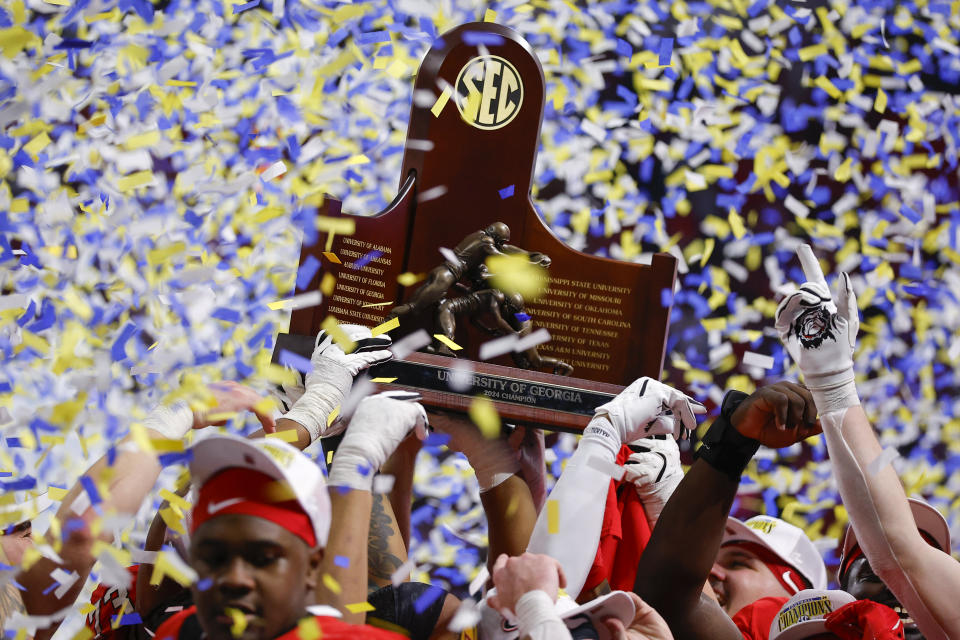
[171, 422]
[535, 608]
[723, 447]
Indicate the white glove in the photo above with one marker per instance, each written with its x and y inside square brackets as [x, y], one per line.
[333, 371]
[645, 408]
[655, 474]
[171, 422]
[377, 428]
[820, 335]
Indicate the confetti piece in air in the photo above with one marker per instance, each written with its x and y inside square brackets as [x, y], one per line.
[340, 337]
[887, 456]
[752, 359]
[238, 622]
[309, 629]
[441, 102]
[275, 170]
[360, 607]
[385, 327]
[506, 192]
[287, 435]
[403, 571]
[331, 583]
[408, 279]
[302, 301]
[517, 274]
[383, 380]
[498, 346]
[485, 416]
[447, 341]
[332, 257]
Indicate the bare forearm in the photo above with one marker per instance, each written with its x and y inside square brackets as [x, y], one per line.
[684, 544]
[302, 440]
[344, 583]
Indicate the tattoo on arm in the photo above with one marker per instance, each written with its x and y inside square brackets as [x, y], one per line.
[10, 602]
[381, 564]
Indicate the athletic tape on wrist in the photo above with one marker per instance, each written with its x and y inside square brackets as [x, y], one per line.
[171, 422]
[723, 447]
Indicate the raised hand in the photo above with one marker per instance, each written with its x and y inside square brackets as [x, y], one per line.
[777, 415]
[332, 375]
[648, 407]
[378, 426]
[820, 334]
[232, 397]
[368, 350]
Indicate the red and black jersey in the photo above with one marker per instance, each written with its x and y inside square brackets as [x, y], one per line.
[105, 620]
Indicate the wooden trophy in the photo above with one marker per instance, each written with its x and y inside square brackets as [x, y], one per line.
[464, 197]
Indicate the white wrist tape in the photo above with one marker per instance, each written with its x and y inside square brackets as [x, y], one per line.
[326, 388]
[537, 616]
[601, 433]
[834, 394]
[171, 422]
[351, 471]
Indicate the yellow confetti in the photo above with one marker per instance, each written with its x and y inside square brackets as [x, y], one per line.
[489, 15]
[553, 516]
[333, 415]
[331, 583]
[880, 104]
[174, 499]
[37, 144]
[134, 180]
[308, 629]
[485, 416]
[736, 224]
[407, 279]
[339, 336]
[287, 435]
[56, 493]
[327, 283]
[342, 226]
[140, 140]
[517, 274]
[441, 102]
[173, 520]
[447, 341]
[384, 327]
[714, 324]
[239, 623]
[360, 607]
[383, 380]
[332, 257]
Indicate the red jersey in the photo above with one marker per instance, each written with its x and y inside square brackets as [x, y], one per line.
[184, 626]
[108, 602]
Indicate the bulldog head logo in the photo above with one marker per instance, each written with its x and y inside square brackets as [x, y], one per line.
[813, 326]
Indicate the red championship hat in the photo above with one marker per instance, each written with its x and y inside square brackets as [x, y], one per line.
[266, 478]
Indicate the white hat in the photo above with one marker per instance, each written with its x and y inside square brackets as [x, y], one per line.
[787, 542]
[802, 615]
[928, 521]
[616, 604]
[273, 458]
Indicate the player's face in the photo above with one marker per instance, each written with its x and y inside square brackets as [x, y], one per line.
[15, 540]
[739, 578]
[863, 584]
[261, 577]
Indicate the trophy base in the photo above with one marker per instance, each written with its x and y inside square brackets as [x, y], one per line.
[520, 396]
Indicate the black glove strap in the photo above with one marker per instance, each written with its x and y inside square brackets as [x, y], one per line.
[723, 447]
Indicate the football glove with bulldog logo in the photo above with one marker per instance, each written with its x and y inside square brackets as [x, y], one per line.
[821, 334]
